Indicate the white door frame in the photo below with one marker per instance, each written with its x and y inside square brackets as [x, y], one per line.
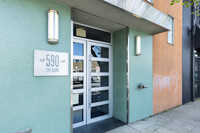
[83, 90]
[86, 90]
[90, 74]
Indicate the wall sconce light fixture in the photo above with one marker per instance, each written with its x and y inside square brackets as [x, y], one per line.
[138, 45]
[53, 26]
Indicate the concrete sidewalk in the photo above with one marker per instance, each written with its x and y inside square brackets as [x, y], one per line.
[184, 119]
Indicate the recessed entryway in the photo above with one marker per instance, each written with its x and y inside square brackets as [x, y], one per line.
[92, 80]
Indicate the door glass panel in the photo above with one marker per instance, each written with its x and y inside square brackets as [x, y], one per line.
[98, 96]
[78, 49]
[77, 82]
[99, 111]
[99, 52]
[77, 66]
[77, 116]
[100, 66]
[99, 81]
[99, 75]
[77, 99]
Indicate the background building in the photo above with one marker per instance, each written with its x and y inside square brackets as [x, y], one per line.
[191, 45]
[188, 56]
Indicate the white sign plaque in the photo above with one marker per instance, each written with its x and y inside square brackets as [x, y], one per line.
[49, 63]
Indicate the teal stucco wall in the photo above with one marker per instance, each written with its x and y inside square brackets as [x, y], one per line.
[141, 70]
[40, 103]
[119, 75]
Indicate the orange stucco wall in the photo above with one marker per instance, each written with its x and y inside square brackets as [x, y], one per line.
[167, 61]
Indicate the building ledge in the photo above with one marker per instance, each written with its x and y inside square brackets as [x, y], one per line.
[135, 14]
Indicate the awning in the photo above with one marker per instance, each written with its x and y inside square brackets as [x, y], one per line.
[132, 13]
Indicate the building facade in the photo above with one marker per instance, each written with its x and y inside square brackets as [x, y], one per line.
[113, 58]
[191, 45]
[167, 61]
[187, 56]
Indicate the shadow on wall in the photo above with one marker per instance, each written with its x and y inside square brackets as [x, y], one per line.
[166, 93]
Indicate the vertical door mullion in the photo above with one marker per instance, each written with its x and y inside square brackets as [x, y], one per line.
[110, 81]
[85, 82]
[88, 81]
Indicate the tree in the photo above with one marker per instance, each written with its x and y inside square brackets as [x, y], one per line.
[188, 3]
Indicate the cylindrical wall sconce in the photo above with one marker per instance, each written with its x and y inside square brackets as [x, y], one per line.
[138, 45]
[53, 26]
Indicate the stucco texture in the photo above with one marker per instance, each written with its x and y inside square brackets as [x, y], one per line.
[119, 75]
[40, 103]
[140, 71]
[167, 61]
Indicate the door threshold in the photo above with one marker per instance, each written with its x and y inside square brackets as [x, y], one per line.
[100, 127]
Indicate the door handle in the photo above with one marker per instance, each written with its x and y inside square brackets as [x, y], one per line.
[89, 104]
[89, 107]
[90, 56]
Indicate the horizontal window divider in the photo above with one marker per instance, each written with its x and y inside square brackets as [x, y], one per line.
[78, 57]
[76, 91]
[100, 74]
[100, 59]
[79, 74]
[78, 40]
[99, 103]
[100, 89]
[91, 41]
[78, 108]
[107, 61]
[99, 43]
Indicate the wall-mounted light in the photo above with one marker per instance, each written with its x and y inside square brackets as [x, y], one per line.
[136, 15]
[53, 26]
[138, 45]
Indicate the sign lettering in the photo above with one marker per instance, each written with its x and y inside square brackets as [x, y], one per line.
[49, 63]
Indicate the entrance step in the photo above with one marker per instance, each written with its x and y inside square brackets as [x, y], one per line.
[100, 127]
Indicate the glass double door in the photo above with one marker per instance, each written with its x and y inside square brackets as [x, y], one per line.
[92, 81]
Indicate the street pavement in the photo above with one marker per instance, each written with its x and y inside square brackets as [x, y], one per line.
[183, 119]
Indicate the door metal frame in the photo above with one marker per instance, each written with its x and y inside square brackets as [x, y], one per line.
[89, 75]
[110, 78]
[83, 74]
